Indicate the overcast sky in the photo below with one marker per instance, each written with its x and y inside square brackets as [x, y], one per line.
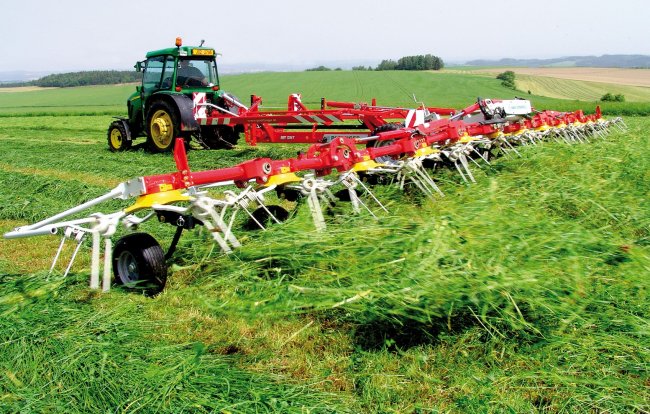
[67, 35]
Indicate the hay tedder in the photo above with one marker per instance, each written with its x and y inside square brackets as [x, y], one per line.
[344, 167]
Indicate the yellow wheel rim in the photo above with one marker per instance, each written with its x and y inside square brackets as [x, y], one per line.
[162, 129]
[116, 138]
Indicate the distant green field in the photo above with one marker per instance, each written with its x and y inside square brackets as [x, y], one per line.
[525, 292]
[580, 90]
[394, 88]
[83, 100]
[390, 88]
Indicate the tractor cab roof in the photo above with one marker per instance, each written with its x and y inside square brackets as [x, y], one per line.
[189, 51]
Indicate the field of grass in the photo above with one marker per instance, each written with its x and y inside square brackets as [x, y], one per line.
[526, 292]
[89, 100]
[581, 90]
[572, 88]
[395, 88]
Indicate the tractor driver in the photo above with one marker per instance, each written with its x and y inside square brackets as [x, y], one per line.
[188, 75]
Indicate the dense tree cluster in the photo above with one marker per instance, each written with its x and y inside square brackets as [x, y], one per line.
[320, 68]
[507, 79]
[608, 97]
[95, 77]
[418, 62]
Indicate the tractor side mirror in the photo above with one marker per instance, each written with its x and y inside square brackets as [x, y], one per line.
[138, 66]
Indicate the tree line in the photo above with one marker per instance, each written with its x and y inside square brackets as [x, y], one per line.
[418, 62]
[321, 68]
[86, 78]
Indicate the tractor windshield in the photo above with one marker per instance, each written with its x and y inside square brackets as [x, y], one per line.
[158, 73]
[196, 72]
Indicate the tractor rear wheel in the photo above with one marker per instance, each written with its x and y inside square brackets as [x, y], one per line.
[139, 263]
[118, 137]
[163, 127]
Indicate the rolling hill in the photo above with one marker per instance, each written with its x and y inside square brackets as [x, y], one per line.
[604, 61]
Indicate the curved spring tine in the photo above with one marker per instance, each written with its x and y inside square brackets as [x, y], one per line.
[480, 155]
[367, 190]
[79, 238]
[465, 164]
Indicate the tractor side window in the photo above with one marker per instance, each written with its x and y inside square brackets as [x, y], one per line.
[152, 77]
[168, 73]
[211, 70]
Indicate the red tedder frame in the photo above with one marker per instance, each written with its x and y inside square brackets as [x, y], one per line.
[342, 153]
[301, 125]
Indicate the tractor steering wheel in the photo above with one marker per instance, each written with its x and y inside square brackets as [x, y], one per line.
[192, 81]
[166, 83]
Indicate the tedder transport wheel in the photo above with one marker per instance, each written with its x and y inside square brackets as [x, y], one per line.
[220, 137]
[117, 137]
[139, 263]
[163, 127]
[387, 159]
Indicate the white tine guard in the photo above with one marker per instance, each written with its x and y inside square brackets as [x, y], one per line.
[122, 191]
[20, 232]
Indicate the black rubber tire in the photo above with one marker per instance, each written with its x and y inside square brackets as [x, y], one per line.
[343, 195]
[165, 111]
[262, 216]
[219, 137]
[375, 144]
[117, 136]
[139, 263]
[288, 194]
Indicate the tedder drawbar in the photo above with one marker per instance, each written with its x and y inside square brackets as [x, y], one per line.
[341, 169]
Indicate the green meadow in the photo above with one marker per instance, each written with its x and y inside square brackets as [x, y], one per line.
[524, 292]
[392, 88]
[582, 90]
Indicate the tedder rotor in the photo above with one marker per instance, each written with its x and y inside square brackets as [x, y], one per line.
[340, 168]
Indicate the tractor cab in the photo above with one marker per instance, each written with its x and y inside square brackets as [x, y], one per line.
[179, 70]
[162, 108]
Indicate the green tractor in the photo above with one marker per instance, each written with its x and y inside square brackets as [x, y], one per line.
[162, 108]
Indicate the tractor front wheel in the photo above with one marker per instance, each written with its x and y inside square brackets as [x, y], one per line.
[163, 127]
[118, 137]
[139, 263]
